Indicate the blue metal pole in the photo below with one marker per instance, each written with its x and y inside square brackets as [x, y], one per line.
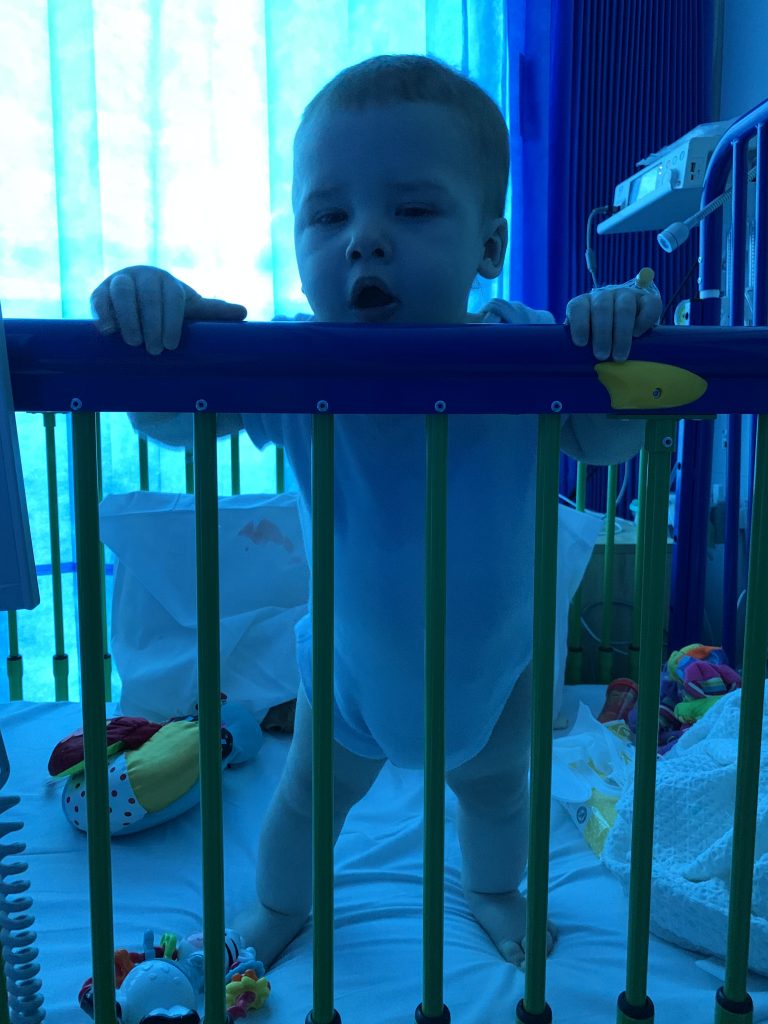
[760, 298]
[693, 486]
[733, 473]
[731, 550]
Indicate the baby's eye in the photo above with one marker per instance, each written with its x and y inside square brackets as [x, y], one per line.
[417, 211]
[323, 218]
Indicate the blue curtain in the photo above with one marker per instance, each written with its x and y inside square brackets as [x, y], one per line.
[595, 85]
[160, 132]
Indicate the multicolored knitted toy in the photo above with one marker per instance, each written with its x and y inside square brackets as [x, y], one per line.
[164, 983]
[692, 680]
[153, 767]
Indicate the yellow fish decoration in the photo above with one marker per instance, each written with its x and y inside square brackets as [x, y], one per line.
[642, 385]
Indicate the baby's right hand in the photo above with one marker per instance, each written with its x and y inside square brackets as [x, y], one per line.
[148, 307]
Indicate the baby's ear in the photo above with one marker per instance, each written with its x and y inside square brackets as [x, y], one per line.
[495, 249]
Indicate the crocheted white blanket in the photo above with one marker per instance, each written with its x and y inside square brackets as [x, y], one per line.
[693, 838]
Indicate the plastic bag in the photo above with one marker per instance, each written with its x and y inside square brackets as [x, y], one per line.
[591, 768]
[577, 534]
[264, 588]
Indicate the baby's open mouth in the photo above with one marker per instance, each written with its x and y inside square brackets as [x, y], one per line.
[371, 293]
[373, 296]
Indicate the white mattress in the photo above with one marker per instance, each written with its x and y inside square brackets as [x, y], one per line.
[156, 883]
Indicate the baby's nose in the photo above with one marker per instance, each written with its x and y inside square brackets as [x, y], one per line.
[357, 251]
[367, 240]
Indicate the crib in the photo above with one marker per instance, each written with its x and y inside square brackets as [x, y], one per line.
[372, 929]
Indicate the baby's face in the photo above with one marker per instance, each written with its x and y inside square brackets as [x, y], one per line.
[405, 208]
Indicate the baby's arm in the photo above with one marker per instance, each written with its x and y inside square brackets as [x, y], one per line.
[148, 306]
[601, 440]
[610, 318]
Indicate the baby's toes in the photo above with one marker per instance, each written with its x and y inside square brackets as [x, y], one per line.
[519, 959]
[552, 937]
[513, 952]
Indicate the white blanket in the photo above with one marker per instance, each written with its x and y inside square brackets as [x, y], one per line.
[693, 838]
[157, 884]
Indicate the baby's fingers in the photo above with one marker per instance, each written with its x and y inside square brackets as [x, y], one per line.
[198, 308]
[124, 306]
[649, 308]
[171, 313]
[149, 308]
[578, 317]
[159, 304]
[101, 307]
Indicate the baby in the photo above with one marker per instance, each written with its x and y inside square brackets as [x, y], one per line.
[400, 177]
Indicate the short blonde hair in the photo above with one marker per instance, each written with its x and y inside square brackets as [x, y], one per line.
[414, 78]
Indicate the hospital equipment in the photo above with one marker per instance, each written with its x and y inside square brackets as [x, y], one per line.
[669, 186]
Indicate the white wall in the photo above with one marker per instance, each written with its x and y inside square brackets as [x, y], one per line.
[744, 56]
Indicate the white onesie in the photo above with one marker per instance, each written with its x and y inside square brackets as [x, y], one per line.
[379, 511]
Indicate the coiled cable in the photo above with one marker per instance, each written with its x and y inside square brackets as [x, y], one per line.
[25, 998]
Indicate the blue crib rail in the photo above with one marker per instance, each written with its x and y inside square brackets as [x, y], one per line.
[324, 368]
[344, 368]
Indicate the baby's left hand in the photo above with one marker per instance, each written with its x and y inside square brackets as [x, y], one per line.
[612, 317]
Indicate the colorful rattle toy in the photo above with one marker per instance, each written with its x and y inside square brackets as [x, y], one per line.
[164, 983]
[153, 767]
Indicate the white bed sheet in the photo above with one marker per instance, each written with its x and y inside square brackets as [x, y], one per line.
[157, 884]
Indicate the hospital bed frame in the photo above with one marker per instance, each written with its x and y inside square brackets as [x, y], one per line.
[326, 369]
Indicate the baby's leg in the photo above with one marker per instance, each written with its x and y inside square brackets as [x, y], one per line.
[284, 863]
[492, 824]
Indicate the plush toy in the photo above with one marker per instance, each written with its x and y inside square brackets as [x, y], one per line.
[153, 767]
[693, 679]
[164, 983]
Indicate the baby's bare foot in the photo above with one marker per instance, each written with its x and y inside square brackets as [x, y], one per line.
[268, 931]
[503, 917]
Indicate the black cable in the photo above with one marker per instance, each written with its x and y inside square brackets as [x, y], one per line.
[672, 301]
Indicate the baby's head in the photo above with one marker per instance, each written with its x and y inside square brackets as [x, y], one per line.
[400, 173]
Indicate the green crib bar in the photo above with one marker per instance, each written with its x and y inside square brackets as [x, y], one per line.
[633, 1004]
[94, 722]
[634, 647]
[60, 658]
[280, 470]
[209, 708]
[323, 1011]
[234, 449]
[573, 666]
[734, 1005]
[432, 1007]
[14, 663]
[533, 1008]
[143, 464]
[605, 655]
[102, 578]
[189, 471]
